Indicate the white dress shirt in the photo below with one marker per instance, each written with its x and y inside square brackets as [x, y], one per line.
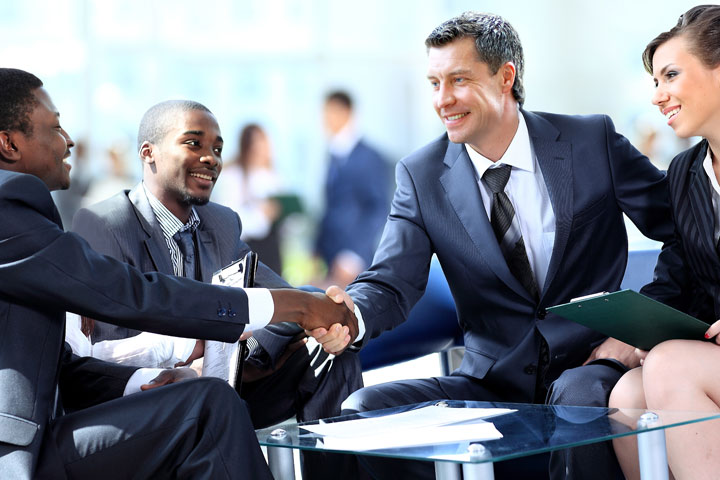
[708, 167]
[529, 196]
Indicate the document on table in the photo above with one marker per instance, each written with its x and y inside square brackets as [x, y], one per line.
[424, 426]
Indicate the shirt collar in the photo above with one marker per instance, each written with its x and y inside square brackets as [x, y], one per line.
[708, 167]
[518, 153]
[169, 223]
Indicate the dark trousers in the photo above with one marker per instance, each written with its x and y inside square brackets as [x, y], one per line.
[588, 386]
[197, 429]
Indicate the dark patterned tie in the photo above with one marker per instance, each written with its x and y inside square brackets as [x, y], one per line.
[184, 240]
[507, 228]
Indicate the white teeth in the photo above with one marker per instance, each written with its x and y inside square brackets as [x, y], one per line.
[455, 117]
[200, 175]
[672, 113]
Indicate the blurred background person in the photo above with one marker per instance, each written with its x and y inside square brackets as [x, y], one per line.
[251, 186]
[117, 174]
[357, 195]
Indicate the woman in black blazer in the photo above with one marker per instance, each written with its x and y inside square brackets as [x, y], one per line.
[683, 374]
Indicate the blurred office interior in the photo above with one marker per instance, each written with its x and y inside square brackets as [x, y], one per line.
[273, 61]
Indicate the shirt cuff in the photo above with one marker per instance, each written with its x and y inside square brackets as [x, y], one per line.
[361, 325]
[260, 308]
[140, 377]
[183, 348]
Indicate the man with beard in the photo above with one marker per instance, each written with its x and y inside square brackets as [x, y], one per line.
[167, 224]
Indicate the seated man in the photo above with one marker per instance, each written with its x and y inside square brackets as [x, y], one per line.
[180, 146]
[195, 429]
[524, 210]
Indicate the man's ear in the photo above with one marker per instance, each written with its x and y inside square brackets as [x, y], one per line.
[507, 75]
[146, 153]
[9, 152]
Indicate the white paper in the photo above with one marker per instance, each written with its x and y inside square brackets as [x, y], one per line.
[415, 437]
[430, 416]
[220, 360]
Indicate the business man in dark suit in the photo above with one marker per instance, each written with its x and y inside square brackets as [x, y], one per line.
[138, 226]
[357, 187]
[195, 429]
[524, 211]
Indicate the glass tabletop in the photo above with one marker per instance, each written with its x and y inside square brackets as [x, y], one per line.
[521, 430]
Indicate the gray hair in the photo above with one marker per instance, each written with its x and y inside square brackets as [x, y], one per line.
[496, 42]
[156, 122]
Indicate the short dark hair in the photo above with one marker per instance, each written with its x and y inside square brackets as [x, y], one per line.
[496, 42]
[701, 27]
[340, 96]
[17, 99]
[155, 124]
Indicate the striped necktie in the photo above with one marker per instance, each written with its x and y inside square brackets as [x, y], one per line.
[184, 239]
[507, 228]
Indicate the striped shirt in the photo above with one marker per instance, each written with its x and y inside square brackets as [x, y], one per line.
[170, 225]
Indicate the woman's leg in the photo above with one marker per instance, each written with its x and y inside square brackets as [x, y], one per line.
[684, 375]
[628, 393]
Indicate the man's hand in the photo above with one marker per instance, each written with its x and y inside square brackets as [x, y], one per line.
[622, 352]
[169, 376]
[312, 311]
[87, 325]
[335, 339]
[198, 352]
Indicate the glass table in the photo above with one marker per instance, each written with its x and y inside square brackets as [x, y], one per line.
[528, 430]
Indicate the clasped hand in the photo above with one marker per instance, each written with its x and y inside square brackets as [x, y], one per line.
[326, 317]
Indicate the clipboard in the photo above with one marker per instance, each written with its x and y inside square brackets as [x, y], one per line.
[226, 360]
[632, 318]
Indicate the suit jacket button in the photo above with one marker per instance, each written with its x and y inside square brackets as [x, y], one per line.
[530, 369]
[221, 312]
[232, 313]
[541, 314]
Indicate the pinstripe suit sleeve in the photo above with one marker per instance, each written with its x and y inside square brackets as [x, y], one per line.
[672, 284]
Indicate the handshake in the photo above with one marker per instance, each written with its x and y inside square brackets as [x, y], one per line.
[328, 317]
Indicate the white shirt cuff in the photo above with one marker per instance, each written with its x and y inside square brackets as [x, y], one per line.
[260, 308]
[361, 324]
[140, 377]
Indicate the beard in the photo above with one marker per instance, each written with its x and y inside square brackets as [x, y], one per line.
[194, 200]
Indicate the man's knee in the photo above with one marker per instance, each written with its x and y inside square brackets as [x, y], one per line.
[364, 400]
[588, 385]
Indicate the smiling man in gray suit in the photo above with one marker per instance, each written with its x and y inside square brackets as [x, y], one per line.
[180, 146]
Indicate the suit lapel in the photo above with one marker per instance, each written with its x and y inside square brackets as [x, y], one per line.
[460, 184]
[555, 162]
[701, 203]
[155, 240]
[208, 250]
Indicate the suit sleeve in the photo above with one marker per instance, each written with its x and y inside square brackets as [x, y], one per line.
[672, 283]
[42, 266]
[641, 190]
